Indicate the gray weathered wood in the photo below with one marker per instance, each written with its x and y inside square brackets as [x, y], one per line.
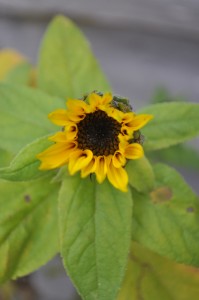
[174, 16]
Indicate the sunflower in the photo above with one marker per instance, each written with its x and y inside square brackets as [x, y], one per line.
[98, 136]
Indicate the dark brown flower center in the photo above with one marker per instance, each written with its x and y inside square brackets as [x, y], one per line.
[99, 133]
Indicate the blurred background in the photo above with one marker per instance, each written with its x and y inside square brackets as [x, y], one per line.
[149, 50]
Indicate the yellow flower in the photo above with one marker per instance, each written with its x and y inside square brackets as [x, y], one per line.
[97, 138]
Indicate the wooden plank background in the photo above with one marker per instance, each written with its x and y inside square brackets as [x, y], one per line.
[140, 44]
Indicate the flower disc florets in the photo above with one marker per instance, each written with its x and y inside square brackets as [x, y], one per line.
[99, 135]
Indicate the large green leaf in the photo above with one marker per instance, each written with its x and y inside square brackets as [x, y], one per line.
[67, 67]
[28, 226]
[5, 158]
[179, 155]
[95, 224]
[161, 94]
[141, 175]
[25, 166]
[152, 277]
[20, 74]
[173, 123]
[23, 115]
[166, 221]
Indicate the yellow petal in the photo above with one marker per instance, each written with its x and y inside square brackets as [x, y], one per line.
[79, 160]
[138, 121]
[128, 117]
[115, 113]
[123, 141]
[127, 131]
[75, 117]
[77, 104]
[89, 169]
[54, 149]
[94, 100]
[133, 151]
[118, 159]
[58, 137]
[101, 168]
[118, 177]
[76, 110]
[56, 155]
[106, 98]
[71, 131]
[59, 117]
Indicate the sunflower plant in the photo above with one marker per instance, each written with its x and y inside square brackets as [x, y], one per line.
[80, 184]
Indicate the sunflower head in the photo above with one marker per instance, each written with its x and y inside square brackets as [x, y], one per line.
[100, 132]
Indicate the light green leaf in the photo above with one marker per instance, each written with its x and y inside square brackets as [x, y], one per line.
[161, 94]
[67, 67]
[28, 226]
[25, 166]
[173, 123]
[141, 175]
[23, 116]
[21, 74]
[152, 277]
[179, 155]
[5, 158]
[166, 221]
[95, 224]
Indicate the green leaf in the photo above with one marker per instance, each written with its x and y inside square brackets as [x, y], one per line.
[21, 74]
[179, 155]
[166, 221]
[161, 95]
[141, 175]
[28, 226]
[95, 224]
[23, 115]
[173, 123]
[67, 66]
[25, 166]
[5, 158]
[150, 277]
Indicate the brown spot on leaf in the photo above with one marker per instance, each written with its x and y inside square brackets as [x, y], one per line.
[161, 195]
[27, 198]
[190, 209]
